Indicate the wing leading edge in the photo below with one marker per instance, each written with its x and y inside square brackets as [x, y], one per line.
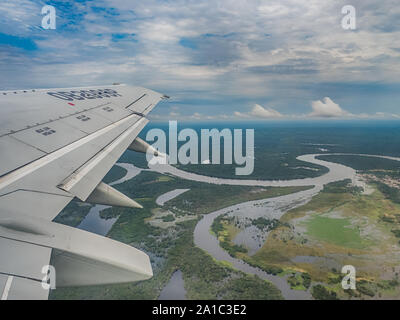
[71, 139]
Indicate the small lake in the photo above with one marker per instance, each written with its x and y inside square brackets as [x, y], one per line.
[94, 223]
[161, 200]
[175, 289]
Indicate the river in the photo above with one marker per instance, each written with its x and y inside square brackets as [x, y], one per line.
[272, 208]
[174, 290]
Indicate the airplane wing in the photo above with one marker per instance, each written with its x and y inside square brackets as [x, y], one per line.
[57, 145]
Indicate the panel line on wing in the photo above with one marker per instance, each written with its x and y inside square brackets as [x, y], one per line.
[18, 276]
[27, 242]
[132, 103]
[36, 191]
[28, 144]
[7, 288]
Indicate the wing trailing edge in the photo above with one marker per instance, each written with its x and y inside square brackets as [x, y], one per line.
[79, 257]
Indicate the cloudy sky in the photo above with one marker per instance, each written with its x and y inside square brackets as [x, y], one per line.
[228, 59]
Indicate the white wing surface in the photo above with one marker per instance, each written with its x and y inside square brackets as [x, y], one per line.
[57, 145]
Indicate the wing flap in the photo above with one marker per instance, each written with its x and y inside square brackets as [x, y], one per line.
[80, 257]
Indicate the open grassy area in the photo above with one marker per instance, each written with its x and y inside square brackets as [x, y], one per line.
[335, 230]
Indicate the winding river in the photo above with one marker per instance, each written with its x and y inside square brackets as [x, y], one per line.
[272, 208]
[336, 172]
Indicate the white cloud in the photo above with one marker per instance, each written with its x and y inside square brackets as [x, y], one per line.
[19, 16]
[327, 109]
[196, 116]
[264, 112]
[241, 114]
[237, 53]
[259, 112]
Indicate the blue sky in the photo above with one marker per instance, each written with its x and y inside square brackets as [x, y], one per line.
[218, 60]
